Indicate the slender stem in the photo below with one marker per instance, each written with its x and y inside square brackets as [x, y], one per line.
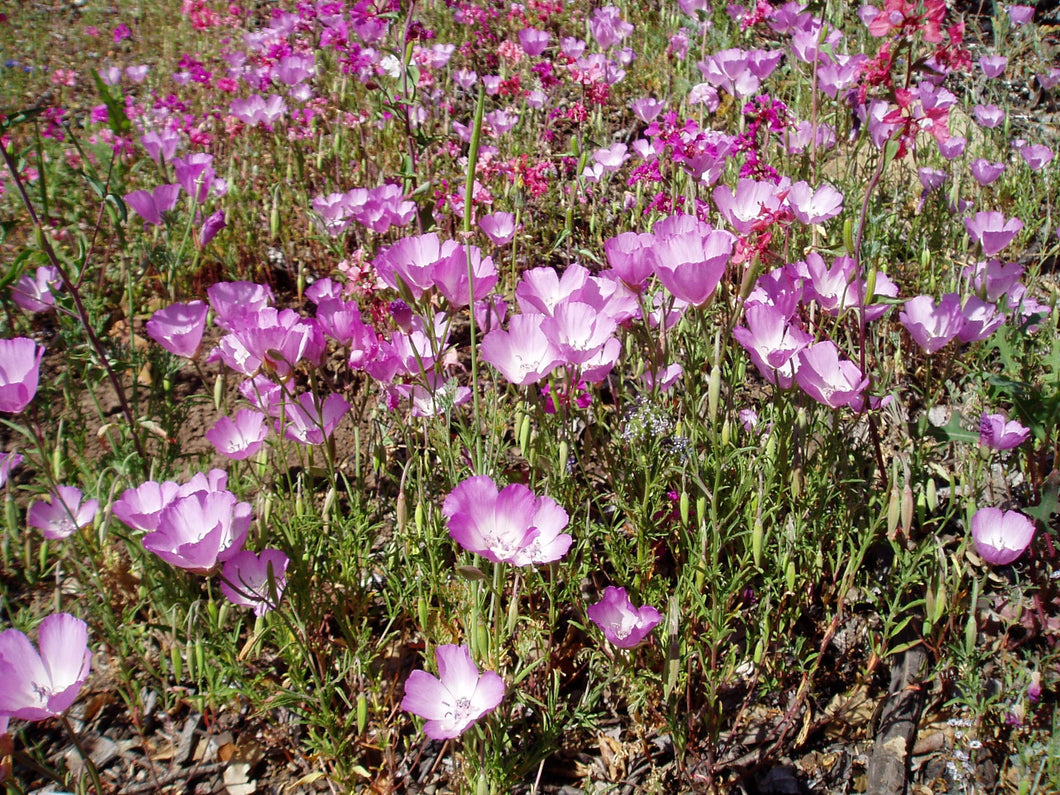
[469, 192]
[78, 304]
[89, 764]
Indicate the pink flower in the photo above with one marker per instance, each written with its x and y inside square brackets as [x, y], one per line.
[197, 531]
[993, 65]
[622, 624]
[523, 354]
[276, 340]
[510, 526]
[814, 206]
[607, 26]
[992, 230]
[753, 202]
[988, 116]
[985, 171]
[196, 175]
[213, 224]
[828, 379]
[578, 330]
[140, 508]
[498, 227]
[151, 205]
[997, 432]
[541, 289]
[632, 257]
[310, 422]
[1037, 156]
[980, 320]
[64, 515]
[772, 343]
[1001, 536]
[1019, 14]
[255, 581]
[240, 438]
[450, 275]
[179, 328]
[933, 325]
[232, 300]
[454, 699]
[36, 685]
[691, 258]
[34, 293]
[19, 371]
[533, 41]
[411, 260]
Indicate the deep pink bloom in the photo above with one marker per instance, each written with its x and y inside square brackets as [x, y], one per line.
[632, 257]
[1001, 536]
[932, 325]
[623, 624]
[63, 515]
[980, 320]
[255, 581]
[829, 379]
[37, 685]
[151, 205]
[239, 438]
[34, 293]
[772, 343]
[992, 230]
[997, 432]
[507, 526]
[1037, 156]
[985, 171]
[814, 206]
[523, 354]
[213, 224]
[692, 260]
[199, 530]
[456, 698]
[179, 328]
[310, 422]
[232, 300]
[499, 227]
[196, 175]
[19, 371]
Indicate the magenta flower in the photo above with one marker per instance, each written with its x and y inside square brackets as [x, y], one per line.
[498, 227]
[533, 41]
[632, 257]
[1001, 536]
[310, 422]
[992, 231]
[1037, 156]
[19, 371]
[1020, 14]
[985, 171]
[63, 515]
[255, 581]
[988, 116]
[196, 175]
[997, 432]
[523, 354]
[507, 526]
[622, 624]
[829, 379]
[980, 320]
[232, 300]
[37, 685]
[275, 340]
[450, 275]
[933, 325]
[179, 327]
[993, 65]
[197, 531]
[607, 26]
[814, 206]
[454, 699]
[578, 330]
[239, 438]
[752, 202]
[772, 343]
[34, 293]
[151, 205]
[140, 508]
[691, 260]
[213, 224]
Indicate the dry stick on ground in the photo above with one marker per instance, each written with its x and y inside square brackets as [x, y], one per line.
[888, 772]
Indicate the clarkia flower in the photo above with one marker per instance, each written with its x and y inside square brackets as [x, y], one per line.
[197, 531]
[507, 526]
[35, 685]
[498, 227]
[828, 378]
[691, 259]
[255, 581]
[34, 293]
[933, 325]
[1001, 536]
[311, 422]
[239, 438]
[19, 371]
[179, 328]
[992, 230]
[997, 432]
[456, 698]
[63, 515]
[622, 624]
[150, 205]
[8, 461]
